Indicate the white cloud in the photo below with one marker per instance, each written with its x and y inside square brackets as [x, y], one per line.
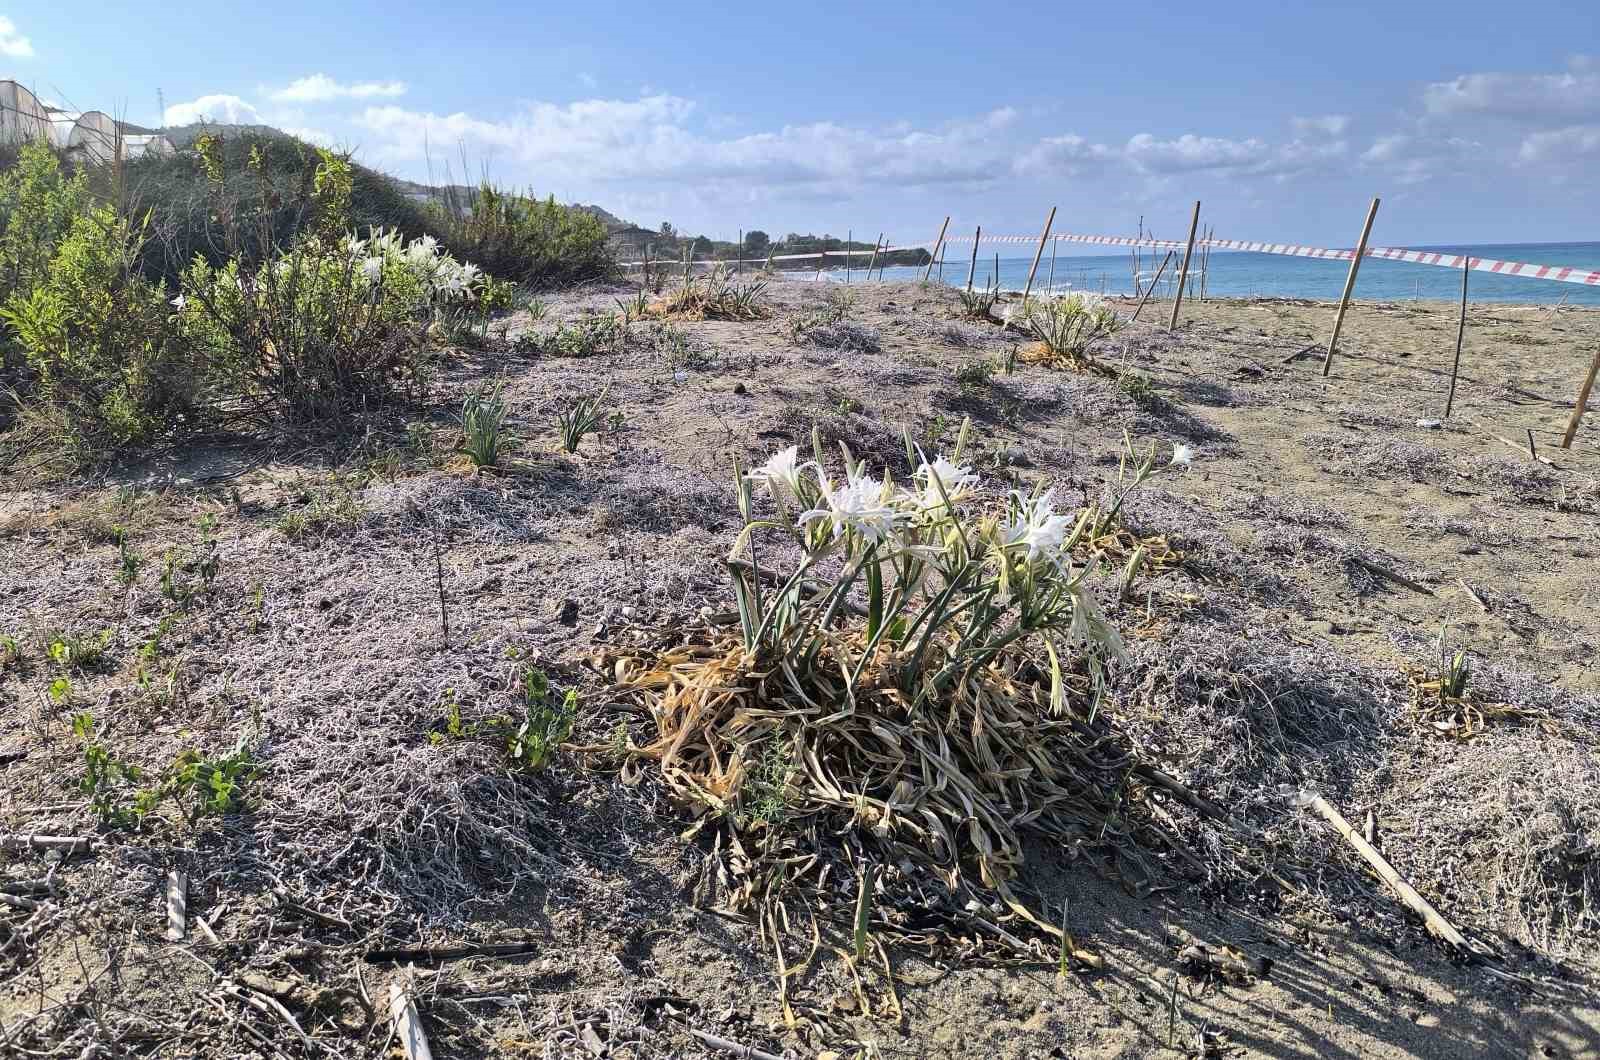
[311, 136]
[1189, 153]
[1559, 146]
[654, 138]
[1414, 159]
[1326, 124]
[320, 88]
[1540, 98]
[230, 110]
[12, 43]
[1062, 156]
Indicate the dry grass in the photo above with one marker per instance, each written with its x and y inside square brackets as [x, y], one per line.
[939, 797]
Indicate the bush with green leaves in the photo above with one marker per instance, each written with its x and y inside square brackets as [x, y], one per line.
[585, 337]
[39, 200]
[110, 370]
[202, 784]
[326, 327]
[537, 243]
[546, 722]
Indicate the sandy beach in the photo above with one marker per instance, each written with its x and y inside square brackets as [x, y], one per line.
[1328, 528]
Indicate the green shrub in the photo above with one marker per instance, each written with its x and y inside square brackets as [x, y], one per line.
[110, 369]
[536, 243]
[38, 203]
[235, 194]
[326, 328]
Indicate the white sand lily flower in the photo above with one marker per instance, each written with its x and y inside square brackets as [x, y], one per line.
[372, 269]
[1182, 456]
[179, 302]
[858, 505]
[1034, 525]
[1090, 627]
[958, 481]
[781, 473]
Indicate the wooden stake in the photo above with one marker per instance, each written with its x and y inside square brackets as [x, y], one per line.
[849, 252]
[1350, 285]
[1583, 403]
[1437, 924]
[972, 267]
[738, 262]
[177, 906]
[408, 1024]
[686, 266]
[1050, 287]
[997, 270]
[1148, 291]
[937, 244]
[874, 259]
[1037, 254]
[1183, 277]
[1461, 333]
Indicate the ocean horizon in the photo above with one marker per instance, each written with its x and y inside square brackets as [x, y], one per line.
[1248, 274]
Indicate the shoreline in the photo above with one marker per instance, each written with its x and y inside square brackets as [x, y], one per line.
[804, 276]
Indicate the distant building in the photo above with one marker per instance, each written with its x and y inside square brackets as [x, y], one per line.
[93, 137]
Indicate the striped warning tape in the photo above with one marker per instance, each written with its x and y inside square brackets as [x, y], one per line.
[1558, 273]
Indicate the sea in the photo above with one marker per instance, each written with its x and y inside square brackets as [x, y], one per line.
[1245, 274]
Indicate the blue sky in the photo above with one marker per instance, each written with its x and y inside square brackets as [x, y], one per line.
[1476, 122]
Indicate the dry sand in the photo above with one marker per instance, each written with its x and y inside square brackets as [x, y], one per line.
[1276, 659]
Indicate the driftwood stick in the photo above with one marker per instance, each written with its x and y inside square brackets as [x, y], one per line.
[1389, 575]
[429, 954]
[1227, 960]
[39, 886]
[16, 901]
[722, 1045]
[408, 1024]
[67, 844]
[177, 906]
[1474, 594]
[1437, 924]
[271, 1006]
[1176, 787]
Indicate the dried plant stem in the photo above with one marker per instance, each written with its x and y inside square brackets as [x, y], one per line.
[438, 577]
[1408, 894]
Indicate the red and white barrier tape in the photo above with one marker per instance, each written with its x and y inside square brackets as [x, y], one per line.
[1559, 273]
